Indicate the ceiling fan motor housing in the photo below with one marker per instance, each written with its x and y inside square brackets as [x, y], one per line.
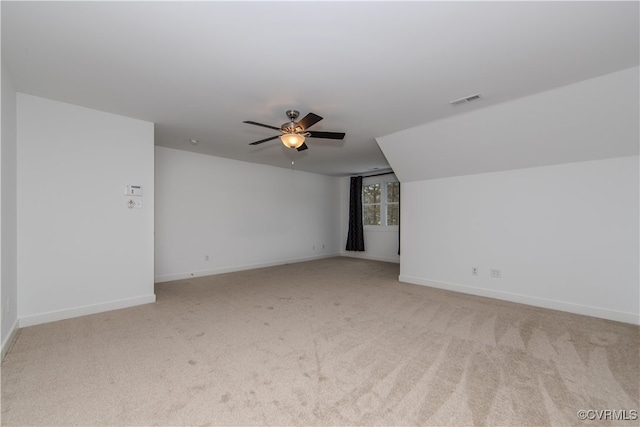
[290, 127]
[293, 114]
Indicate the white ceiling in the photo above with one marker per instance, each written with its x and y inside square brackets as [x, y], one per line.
[198, 69]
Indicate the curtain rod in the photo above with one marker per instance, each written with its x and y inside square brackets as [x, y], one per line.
[378, 174]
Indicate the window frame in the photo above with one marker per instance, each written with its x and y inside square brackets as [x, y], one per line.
[384, 203]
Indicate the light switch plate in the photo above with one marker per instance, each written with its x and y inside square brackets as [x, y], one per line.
[133, 190]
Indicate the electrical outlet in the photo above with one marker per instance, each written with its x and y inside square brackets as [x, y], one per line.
[474, 271]
[496, 273]
[206, 257]
[134, 204]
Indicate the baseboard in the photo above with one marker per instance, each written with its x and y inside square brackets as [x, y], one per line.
[364, 255]
[53, 316]
[618, 316]
[234, 268]
[8, 342]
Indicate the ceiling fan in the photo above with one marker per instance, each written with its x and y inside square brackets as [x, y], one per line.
[294, 133]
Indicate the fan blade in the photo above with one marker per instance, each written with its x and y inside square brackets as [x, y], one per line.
[302, 147]
[327, 135]
[308, 121]
[264, 140]
[260, 124]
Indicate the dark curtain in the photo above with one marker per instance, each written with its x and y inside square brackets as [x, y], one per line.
[399, 209]
[355, 237]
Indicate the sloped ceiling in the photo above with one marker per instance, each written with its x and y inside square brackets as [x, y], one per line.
[198, 69]
[594, 119]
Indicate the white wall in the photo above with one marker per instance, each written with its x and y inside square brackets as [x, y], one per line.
[380, 243]
[81, 250]
[561, 219]
[8, 215]
[564, 236]
[241, 215]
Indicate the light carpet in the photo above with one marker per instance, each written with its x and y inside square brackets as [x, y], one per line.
[331, 342]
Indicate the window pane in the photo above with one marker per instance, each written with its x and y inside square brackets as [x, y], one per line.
[393, 214]
[371, 215]
[393, 192]
[371, 193]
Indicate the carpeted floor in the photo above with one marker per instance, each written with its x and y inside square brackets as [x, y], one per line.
[331, 342]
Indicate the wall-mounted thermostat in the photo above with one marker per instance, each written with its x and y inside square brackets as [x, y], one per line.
[133, 190]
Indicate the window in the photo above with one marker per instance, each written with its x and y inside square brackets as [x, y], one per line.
[393, 203]
[371, 196]
[381, 204]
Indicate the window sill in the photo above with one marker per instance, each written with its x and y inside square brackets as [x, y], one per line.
[382, 228]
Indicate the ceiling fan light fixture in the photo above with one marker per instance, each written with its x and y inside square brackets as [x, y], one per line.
[293, 134]
[292, 140]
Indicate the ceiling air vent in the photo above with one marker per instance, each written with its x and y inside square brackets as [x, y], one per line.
[465, 99]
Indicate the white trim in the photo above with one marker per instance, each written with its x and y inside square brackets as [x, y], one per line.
[233, 269]
[363, 255]
[52, 316]
[381, 228]
[8, 342]
[618, 316]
